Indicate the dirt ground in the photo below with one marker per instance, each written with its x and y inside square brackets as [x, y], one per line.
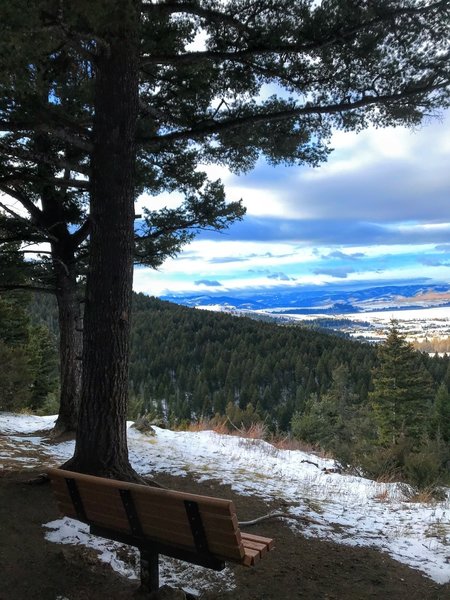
[32, 568]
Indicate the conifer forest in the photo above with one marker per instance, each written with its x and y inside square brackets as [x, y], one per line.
[379, 410]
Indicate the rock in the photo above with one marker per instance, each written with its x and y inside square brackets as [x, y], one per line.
[144, 425]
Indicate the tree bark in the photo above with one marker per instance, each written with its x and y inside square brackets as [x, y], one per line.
[52, 219]
[101, 443]
[70, 348]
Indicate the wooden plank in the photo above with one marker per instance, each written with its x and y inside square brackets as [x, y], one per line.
[222, 545]
[258, 538]
[164, 496]
[261, 548]
[251, 557]
[214, 522]
[67, 510]
[148, 504]
[178, 518]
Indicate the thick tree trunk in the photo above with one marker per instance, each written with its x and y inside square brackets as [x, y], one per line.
[101, 444]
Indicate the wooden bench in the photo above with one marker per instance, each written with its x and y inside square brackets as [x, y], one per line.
[197, 529]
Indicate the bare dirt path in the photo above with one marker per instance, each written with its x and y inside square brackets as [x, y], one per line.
[32, 568]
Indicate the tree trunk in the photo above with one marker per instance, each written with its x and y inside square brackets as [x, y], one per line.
[70, 347]
[64, 267]
[101, 444]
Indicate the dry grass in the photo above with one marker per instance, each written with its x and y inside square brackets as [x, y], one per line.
[382, 496]
[255, 431]
[223, 426]
[391, 476]
[427, 495]
[290, 443]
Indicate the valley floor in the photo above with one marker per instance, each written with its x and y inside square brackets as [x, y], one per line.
[33, 568]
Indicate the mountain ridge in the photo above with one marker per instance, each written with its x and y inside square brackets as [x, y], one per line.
[323, 300]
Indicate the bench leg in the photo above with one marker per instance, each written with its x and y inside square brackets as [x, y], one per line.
[149, 571]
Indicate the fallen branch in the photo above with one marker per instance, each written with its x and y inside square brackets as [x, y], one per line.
[278, 515]
[310, 462]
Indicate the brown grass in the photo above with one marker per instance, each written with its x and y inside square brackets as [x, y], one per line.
[255, 431]
[290, 443]
[382, 496]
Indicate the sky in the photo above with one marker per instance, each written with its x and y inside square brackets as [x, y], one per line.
[377, 212]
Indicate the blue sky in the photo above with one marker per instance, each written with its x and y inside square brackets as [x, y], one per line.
[378, 211]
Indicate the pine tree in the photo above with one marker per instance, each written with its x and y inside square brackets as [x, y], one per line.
[402, 392]
[44, 361]
[441, 414]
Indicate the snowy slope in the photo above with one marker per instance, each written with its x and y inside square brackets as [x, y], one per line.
[349, 510]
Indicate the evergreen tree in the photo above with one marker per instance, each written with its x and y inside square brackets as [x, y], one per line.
[44, 361]
[28, 359]
[441, 414]
[402, 392]
[328, 421]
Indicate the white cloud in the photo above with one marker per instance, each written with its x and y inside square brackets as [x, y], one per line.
[383, 194]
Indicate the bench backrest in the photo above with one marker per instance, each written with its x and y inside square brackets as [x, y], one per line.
[163, 516]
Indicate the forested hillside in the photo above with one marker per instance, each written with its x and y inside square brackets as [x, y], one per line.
[191, 363]
[28, 357]
[385, 408]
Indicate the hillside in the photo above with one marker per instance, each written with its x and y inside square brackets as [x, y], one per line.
[343, 536]
[188, 363]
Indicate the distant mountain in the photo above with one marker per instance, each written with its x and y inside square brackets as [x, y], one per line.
[324, 300]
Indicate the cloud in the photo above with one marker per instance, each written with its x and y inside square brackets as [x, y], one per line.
[432, 262]
[344, 255]
[376, 211]
[259, 271]
[378, 176]
[227, 259]
[339, 272]
[230, 259]
[208, 282]
[331, 232]
[280, 277]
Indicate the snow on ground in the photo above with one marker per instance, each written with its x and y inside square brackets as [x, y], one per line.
[346, 509]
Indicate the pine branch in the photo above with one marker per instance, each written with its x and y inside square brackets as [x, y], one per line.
[60, 133]
[340, 33]
[40, 157]
[32, 288]
[207, 128]
[194, 9]
[79, 236]
[35, 213]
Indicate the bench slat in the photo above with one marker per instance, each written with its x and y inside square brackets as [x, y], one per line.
[149, 504]
[261, 548]
[160, 496]
[258, 538]
[113, 505]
